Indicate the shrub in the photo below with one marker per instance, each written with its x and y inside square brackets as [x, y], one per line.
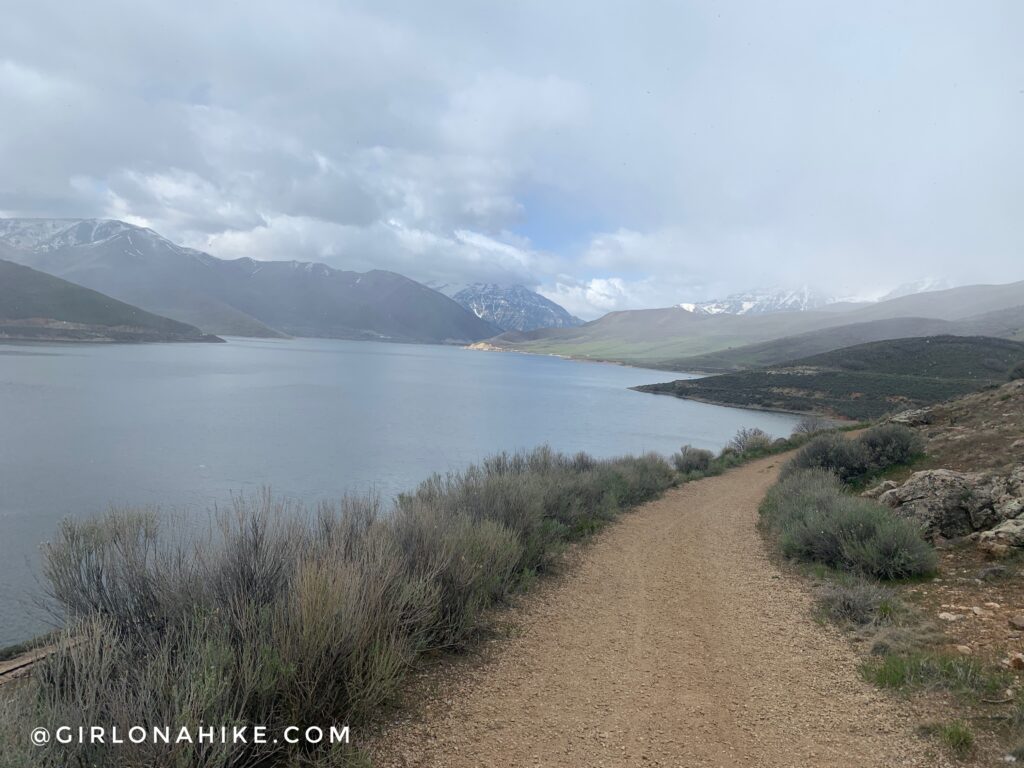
[861, 536]
[890, 444]
[815, 521]
[750, 440]
[690, 459]
[1016, 372]
[810, 425]
[856, 601]
[847, 458]
[276, 616]
[796, 495]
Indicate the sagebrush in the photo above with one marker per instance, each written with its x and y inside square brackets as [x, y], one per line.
[278, 615]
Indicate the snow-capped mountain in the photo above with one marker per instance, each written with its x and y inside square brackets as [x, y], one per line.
[924, 285]
[514, 308]
[241, 297]
[761, 302]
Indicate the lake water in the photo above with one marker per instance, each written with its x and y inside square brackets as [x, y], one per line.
[184, 426]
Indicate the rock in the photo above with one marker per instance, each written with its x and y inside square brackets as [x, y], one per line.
[1016, 661]
[979, 612]
[947, 616]
[993, 606]
[913, 418]
[878, 490]
[964, 650]
[1017, 622]
[1009, 533]
[950, 505]
[1017, 444]
[991, 572]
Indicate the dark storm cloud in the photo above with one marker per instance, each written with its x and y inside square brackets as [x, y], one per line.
[707, 147]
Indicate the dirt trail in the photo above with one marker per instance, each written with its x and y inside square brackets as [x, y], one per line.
[673, 642]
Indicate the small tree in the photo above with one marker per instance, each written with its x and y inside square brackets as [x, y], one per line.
[690, 459]
[749, 440]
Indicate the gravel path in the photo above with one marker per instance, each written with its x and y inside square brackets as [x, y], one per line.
[673, 642]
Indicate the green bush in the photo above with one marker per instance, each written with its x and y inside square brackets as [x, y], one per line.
[815, 521]
[890, 444]
[276, 616]
[847, 458]
[1017, 371]
[861, 536]
[796, 495]
[690, 459]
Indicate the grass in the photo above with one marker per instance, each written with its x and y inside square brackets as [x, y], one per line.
[956, 736]
[280, 615]
[935, 670]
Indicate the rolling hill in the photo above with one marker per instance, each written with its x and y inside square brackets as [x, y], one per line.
[676, 339]
[35, 306]
[863, 381]
[240, 297]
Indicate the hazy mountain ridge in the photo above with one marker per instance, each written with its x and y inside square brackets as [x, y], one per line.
[674, 337]
[239, 297]
[762, 302]
[40, 307]
[514, 308]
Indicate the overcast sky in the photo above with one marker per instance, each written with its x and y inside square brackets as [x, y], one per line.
[613, 155]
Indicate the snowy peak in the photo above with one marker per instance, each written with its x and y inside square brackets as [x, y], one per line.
[514, 308]
[51, 234]
[761, 302]
[924, 285]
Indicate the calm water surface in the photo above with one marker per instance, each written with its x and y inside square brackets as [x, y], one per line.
[184, 426]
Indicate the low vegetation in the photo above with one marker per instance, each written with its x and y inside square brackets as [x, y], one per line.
[957, 736]
[857, 602]
[814, 520]
[876, 450]
[278, 616]
[690, 459]
[936, 670]
[864, 381]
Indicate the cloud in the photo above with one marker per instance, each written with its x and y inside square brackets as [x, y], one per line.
[639, 156]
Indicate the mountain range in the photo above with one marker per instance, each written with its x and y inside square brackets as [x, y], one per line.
[514, 308]
[680, 339]
[242, 296]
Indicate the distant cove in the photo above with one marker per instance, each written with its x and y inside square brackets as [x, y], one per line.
[185, 426]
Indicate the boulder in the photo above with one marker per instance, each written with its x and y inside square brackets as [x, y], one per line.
[1009, 533]
[950, 504]
[878, 490]
[913, 418]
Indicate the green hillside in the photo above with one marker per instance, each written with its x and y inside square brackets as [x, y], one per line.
[675, 339]
[37, 306]
[864, 381]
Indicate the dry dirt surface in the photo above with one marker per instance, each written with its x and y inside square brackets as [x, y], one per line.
[673, 641]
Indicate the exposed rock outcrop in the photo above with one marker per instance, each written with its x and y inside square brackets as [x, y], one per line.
[952, 504]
